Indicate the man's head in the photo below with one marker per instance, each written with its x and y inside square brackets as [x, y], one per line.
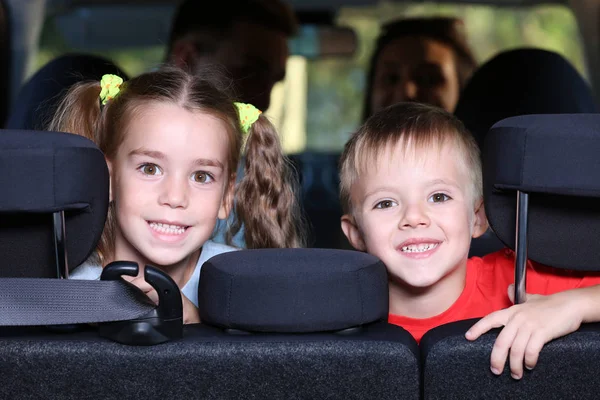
[411, 189]
[248, 38]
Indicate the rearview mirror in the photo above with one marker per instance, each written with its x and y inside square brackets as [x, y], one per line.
[320, 41]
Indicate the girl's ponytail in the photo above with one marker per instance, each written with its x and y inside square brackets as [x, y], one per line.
[265, 200]
[79, 111]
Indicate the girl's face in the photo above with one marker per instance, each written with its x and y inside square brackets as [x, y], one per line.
[169, 183]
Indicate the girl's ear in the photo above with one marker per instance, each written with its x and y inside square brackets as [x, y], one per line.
[227, 202]
[110, 180]
[480, 222]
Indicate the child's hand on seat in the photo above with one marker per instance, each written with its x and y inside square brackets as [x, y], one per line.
[528, 327]
[190, 311]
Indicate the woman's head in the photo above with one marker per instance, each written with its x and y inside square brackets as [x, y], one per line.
[172, 142]
[426, 60]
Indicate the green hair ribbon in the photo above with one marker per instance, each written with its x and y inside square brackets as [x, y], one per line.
[248, 115]
[111, 85]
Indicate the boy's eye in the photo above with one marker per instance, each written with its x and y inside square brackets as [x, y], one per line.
[439, 198]
[202, 177]
[150, 169]
[385, 204]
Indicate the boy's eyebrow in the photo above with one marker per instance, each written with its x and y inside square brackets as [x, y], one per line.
[201, 162]
[380, 189]
[442, 182]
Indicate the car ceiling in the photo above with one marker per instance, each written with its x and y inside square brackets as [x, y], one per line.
[300, 4]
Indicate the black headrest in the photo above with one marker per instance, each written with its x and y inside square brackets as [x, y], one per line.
[293, 290]
[45, 172]
[555, 159]
[520, 82]
[38, 98]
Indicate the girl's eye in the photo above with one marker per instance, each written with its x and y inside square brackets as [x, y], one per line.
[385, 204]
[150, 169]
[439, 198]
[202, 177]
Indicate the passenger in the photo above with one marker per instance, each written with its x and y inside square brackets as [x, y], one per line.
[172, 142]
[426, 60]
[411, 188]
[248, 38]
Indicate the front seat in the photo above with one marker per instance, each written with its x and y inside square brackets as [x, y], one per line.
[519, 82]
[552, 161]
[278, 323]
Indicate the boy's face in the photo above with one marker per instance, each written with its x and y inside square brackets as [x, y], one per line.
[415, 211]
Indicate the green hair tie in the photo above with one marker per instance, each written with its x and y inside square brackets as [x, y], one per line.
[248, 115]
[111, 86]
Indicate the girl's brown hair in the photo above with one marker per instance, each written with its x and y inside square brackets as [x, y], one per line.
[265, 199]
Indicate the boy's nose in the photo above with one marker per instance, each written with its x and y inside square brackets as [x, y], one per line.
[174, 192]
[414, 216]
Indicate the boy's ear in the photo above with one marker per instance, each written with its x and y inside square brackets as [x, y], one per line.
[480, 222]
[227, 202]
[352, 232]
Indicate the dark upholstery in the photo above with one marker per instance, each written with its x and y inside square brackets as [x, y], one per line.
[38, 98]
[554, 158]
[320, 182]
[519, 82]
[379, 363]
[455, 368]
[46, 172]
[293, 290]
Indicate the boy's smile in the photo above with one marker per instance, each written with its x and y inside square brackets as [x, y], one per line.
[414, 209]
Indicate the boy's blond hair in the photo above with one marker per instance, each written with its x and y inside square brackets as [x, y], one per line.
[412, 126]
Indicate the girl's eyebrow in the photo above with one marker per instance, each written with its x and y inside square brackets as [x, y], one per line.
[201, 162]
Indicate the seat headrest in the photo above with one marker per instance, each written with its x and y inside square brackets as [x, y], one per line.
[45, 172]
[519, 82]
[555, 159]
[39, 97]
[292, 290]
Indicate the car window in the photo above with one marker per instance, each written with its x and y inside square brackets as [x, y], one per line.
[320, 102]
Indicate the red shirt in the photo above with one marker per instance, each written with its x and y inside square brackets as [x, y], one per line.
[486, 289]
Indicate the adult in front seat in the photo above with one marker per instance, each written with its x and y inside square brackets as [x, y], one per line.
[248, 38]
[426, 60]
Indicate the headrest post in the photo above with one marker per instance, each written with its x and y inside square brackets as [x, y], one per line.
[60, 245]
[521, 246]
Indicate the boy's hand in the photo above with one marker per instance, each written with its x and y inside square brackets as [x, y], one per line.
[528, 327]
[190, 311]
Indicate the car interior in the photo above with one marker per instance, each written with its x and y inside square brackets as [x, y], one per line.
[306, 323]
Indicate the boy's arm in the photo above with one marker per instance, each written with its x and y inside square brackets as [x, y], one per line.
[532, 324]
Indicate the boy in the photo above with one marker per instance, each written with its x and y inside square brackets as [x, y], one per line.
[411, 188]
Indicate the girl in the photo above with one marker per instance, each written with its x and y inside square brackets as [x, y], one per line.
[172, 142]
